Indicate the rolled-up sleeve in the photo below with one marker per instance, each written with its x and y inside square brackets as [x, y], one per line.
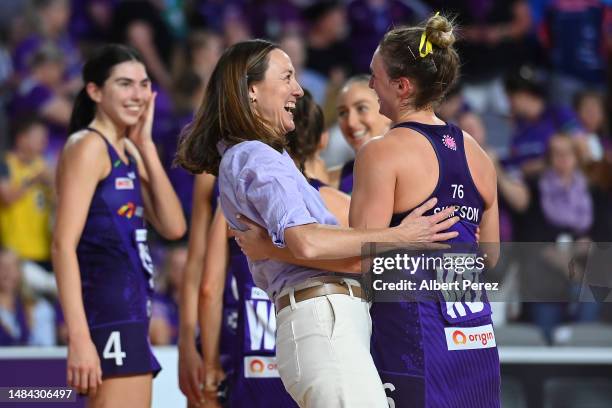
[269, 187]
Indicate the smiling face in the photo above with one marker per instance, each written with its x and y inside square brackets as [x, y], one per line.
[125, 94]
[274, 98]
[383, 86]
[358, 114]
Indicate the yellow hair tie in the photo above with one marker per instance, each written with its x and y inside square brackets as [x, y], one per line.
[425, 43]
[428, 47]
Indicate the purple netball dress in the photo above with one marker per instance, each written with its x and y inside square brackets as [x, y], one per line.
[440, 351]
[255, 382]
[346, 177]
[117, 272]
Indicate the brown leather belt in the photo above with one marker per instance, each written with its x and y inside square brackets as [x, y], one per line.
[327, 287]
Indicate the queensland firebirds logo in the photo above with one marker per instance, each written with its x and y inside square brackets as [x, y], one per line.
[449, 142]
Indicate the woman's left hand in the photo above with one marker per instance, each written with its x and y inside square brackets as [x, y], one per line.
[142, 132]
[255, 241]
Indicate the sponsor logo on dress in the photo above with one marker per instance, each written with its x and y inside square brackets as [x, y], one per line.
[470, 338]
[127, 210]
[124, 183]
[260, 367]
[132, 175]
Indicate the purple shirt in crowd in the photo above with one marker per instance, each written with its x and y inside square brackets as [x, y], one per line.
[26, 49]
[530, 138]
[264, 185]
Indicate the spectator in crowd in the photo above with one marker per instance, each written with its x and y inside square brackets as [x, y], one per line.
[589, 106]
[369, 20]
[24, 319]
[201, 55]
[492, 41]
[25, 194]
[455, 109]
[211, 15]
[139, 24]
[164, 328]
[559, 211]
[49, 24]
[236, 27]
[327, 51]
[39, 94]
[578, 35]
[535, 121]
[91, 21]
[271, 18]
[453, 106]
[293, 44]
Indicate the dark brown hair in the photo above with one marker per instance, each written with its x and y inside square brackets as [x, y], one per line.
[434, 73]
[98, 69]
[225, 114]
[303, 142]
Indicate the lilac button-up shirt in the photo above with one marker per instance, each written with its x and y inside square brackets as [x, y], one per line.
[264, 185]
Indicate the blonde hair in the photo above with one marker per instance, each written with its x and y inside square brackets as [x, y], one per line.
[436, 71]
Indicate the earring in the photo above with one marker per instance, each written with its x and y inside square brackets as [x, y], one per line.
[253, 99]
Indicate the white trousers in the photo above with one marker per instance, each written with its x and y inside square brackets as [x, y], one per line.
[323, 353]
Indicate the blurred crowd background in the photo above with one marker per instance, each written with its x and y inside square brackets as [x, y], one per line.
[534, 91]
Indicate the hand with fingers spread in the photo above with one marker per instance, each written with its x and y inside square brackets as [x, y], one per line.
[419, 228]
[255, 241]
[84, 371]
[190, 372]
[142, 132]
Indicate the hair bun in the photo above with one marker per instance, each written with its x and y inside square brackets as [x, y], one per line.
[439, 31]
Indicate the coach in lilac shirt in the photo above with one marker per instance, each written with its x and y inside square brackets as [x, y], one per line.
[278, 197]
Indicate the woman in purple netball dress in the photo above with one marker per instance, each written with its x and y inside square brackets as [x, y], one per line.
[110, 180]
[424, 350]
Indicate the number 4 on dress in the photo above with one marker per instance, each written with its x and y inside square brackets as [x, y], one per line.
[112, 349]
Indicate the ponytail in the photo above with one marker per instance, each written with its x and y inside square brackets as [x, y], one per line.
[83, 112]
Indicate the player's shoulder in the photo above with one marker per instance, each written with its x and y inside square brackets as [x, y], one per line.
[406, 142]
[85, 144]
[373, 148]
